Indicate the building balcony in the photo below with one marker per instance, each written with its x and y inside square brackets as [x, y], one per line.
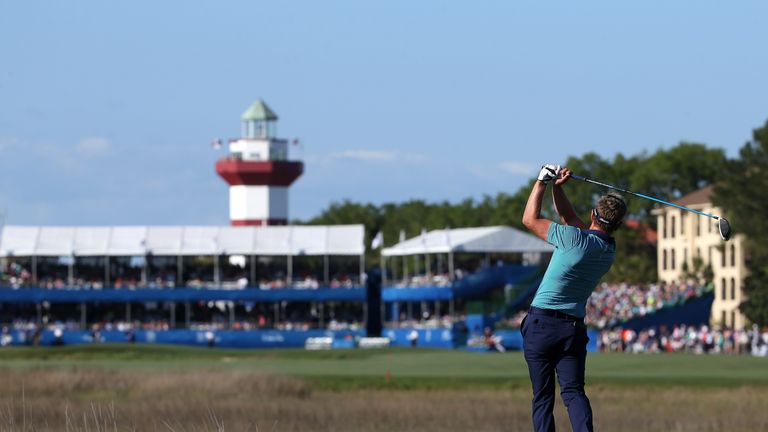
[259, 173]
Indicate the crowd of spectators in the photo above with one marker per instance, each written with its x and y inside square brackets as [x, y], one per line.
[439, 279]
[16, 276]
[426, 321]
[428, 279]
[690, 339]
[612, 304]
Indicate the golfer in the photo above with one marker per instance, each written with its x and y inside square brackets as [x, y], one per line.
[554, 334]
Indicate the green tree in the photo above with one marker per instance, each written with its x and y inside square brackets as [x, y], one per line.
[698, 271]
[635, 258]
[667, 174]
[740, 195]
[349, 212]
[670, 174]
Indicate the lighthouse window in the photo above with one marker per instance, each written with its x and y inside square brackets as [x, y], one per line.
[277, 154]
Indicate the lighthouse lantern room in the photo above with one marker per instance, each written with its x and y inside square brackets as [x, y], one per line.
[258, 170]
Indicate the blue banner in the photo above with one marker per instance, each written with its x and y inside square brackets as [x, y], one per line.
[38, 295]
[473, 285]
[425, 338]
[220, 338]
[416, 294]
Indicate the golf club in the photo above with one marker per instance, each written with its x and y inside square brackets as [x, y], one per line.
[722, 225]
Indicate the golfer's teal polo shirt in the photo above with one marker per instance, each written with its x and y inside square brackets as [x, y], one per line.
[580, 259]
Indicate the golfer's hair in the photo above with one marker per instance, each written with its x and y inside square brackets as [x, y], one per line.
[611, 210]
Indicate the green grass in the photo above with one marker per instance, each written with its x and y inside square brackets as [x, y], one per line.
[408, 368]
[150, 387]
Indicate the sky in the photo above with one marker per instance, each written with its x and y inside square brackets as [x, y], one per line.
[108, 109]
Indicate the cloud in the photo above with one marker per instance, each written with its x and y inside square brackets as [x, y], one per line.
[92, 146]
[9, 143]
[367, 155]
[482, 172]
[518, 168]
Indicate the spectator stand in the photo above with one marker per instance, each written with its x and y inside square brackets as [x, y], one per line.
[183, 259]
[229, 278]
[431, 271]
[72, 253]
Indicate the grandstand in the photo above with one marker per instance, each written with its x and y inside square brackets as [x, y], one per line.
[155, 256]
[276, 286]
[220, 277]
[273, 278]
[469, 262]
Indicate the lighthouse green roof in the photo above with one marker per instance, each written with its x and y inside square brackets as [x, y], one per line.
[259, 111]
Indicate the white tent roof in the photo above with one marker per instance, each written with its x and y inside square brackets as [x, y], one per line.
[499, 239]
[126, 240]
[181, 240]
[21, 240]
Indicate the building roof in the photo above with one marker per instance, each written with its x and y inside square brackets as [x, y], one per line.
[649, 234]
[500, 239]
[259, 111]
[181, 240]
[701, 196]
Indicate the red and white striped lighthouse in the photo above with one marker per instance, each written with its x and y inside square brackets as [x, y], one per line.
[258, 171]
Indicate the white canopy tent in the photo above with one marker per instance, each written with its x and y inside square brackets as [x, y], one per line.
[494, 239]
[181, 240]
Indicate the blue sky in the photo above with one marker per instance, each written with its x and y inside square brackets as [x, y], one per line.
[107, 109]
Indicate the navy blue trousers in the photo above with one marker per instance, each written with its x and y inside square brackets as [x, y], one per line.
[556, 345]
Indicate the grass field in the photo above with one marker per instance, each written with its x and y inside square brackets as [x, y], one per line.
[114, 387]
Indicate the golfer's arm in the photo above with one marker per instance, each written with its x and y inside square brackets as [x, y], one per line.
[532, 215]
[564, 208]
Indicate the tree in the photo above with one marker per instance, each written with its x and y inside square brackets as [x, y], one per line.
[698, 271]
[741, 196]
[635, 258]
[348, 212]
[670, 174]
[667, 174]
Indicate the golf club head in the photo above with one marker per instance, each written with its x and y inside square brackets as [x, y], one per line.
[725, 228]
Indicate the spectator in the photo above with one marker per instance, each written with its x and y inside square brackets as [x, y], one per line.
[682, 338]
[413, 338]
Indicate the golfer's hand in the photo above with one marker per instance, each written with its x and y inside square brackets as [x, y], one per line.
[548, 172]
[563, 176]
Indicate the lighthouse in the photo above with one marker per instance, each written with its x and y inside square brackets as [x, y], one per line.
[258, 170]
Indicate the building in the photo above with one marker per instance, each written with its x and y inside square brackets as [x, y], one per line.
[688, 243]
[258, 170]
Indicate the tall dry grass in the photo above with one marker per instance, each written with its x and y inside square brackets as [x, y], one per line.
[103, 400]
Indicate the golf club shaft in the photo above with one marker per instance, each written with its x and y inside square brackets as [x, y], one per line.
[584, 179]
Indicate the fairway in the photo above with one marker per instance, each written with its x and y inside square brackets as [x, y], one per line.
[124, 387]
[437, 367]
